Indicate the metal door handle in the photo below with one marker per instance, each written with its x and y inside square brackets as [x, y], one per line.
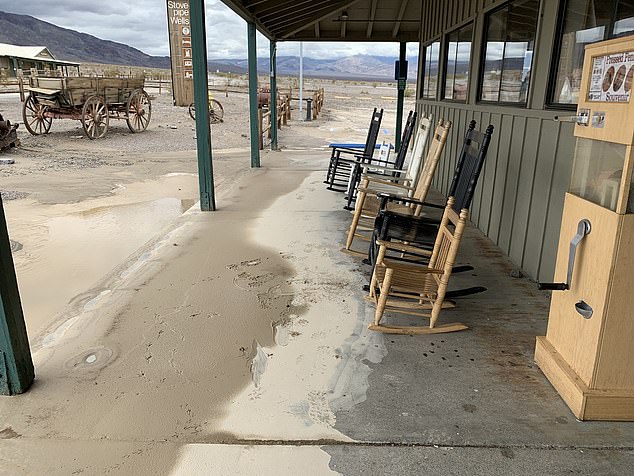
[583, 229]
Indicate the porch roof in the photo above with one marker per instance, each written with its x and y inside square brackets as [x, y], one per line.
[333, 20]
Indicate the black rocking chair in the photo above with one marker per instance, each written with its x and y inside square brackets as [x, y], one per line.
[339, 167]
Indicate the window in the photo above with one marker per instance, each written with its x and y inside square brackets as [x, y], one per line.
[430, 75]
[583, 22]
[457, 63]
[508, 56]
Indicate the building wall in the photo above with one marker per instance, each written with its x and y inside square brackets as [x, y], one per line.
[519, 199]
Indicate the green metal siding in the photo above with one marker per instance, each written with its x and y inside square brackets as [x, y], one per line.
[519, 200]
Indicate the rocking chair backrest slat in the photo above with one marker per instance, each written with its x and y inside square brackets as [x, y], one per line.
[420, 140]
[431, 162]
[447, 244]
[408, 131]
[470, 162]
[373, 133]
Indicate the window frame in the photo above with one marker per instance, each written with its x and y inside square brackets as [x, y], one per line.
[425, 49]
[483, 47]
[445, 55]
[554, 58]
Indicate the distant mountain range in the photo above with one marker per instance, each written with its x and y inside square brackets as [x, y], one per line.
[71, 45]
[356, 66]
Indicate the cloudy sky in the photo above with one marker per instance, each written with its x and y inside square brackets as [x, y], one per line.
[143, 25]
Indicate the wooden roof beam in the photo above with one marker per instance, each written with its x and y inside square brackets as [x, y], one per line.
[294, 11]
[307, 18]
[319, 18]
[252, 3]
[372, 16]
[276, 8]
[399, 19]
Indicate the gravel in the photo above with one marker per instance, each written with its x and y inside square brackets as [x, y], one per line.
[12, 195]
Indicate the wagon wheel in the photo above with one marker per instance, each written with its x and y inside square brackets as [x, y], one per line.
[216, 112]
[138, 110]
[192, 111]
[34, 116]
[94, 117]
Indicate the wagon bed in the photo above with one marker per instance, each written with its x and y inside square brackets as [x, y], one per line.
[93, 101]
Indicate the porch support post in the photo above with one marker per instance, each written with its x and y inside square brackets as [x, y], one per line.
[273, 100]
[16, 365]
[253, 94]
[401, 85]
[201, 99]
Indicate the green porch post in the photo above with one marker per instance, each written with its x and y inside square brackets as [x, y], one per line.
[253, 95]
[273, 101]
[16, 366]
[201, 99]
[401, 84]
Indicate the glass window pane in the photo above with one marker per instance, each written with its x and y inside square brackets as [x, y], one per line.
[463, 59]
[596, 171]
[452, 47]
[494, 54]
[518, 54]
[508, 57]
[624, 18]
[584, 22]
[430, 81]
[457, 63]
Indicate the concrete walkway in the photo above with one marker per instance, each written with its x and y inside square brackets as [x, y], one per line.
[237, 343]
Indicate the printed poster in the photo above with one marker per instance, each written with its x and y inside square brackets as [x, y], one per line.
[611, 78]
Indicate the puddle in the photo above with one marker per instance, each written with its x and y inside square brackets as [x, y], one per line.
[68, 248]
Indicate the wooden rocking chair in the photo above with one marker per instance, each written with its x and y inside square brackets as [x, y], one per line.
[382, 168]
[368, 203]
[410, 175]
[418, 290]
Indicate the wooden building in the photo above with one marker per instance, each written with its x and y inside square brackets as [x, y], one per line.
[14, 58]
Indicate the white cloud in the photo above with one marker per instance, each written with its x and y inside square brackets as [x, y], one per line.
[143, 25]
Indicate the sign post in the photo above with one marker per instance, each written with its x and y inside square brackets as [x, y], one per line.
[179, 27]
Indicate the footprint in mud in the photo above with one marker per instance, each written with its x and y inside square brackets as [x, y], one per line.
[246, 281]
[252, 262]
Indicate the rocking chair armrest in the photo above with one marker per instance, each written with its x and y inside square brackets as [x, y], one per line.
[384, 168]
[412, 201]
[359, 157]
[388, 177]
[348, 150]
[395, 246]
[388, 182]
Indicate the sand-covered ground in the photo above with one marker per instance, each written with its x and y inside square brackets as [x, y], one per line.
[78, 208]
[152, 323]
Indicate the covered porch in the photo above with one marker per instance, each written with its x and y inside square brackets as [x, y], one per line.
[237, 342]
[231, 346]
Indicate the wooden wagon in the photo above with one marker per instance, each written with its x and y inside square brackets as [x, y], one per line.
[93, 101]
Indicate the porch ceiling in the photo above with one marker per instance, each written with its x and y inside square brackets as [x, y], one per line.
[333, 20]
